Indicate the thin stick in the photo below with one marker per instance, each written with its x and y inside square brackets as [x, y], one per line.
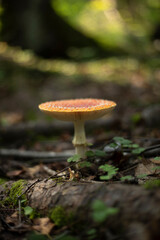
[64, 169]
[26, 190]
[19, 211]
[34, 154]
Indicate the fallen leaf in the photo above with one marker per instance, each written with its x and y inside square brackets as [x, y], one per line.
[145, 169]
[7, 119]
[12, 219]
[33, 170]
[14, 173]
[71, 174]
[155, 160]
[43, 225]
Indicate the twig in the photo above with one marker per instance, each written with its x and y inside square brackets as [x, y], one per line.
[26, 190]
[152, 147]
[19, 211]
[45, 128]
[34, 154]
[64, 169]
[151, 151]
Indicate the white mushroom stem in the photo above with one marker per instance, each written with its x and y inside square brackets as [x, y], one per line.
[79, 140]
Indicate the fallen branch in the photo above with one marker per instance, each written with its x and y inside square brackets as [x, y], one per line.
[152, 151]
[23, 130]
[34, 154]
[139, 209]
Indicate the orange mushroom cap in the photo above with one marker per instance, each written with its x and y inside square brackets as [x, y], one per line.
[77, 109]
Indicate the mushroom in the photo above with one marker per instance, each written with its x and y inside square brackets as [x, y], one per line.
[78, 111]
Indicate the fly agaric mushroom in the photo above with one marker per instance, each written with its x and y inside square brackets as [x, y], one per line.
[78, 111]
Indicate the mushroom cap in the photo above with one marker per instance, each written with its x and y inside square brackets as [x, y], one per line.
[77, 109]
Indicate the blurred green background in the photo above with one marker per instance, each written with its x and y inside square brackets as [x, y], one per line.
[57, 49]
[82, 29]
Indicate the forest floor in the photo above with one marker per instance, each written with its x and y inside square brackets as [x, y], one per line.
[124, 147]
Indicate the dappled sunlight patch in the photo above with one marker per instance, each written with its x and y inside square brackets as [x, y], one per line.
[113, 69]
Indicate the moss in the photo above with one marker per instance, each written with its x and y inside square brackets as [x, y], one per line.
[14, 192]
[60, 217]
[58, 180]
[2, 181]
[150, 184]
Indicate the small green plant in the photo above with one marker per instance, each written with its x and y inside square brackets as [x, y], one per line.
[111, 171]
[141, 176]
[30, 212]
[138, 150]
[100, 153]
[96, 153]
[91, 234]
[74, 158]
[125, 143]
[156, 168]
[85, 164]
[127, 178]
[89, 154]
[122, 141]
[100, 212]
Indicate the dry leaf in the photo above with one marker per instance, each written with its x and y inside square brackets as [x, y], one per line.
[147, 169]
[71, 174]
[33, 170]
[7, 119]
[12, 219]
[154, 160]
[43, 225]
[14, 173]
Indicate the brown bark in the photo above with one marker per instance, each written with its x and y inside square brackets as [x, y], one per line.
[139, 209]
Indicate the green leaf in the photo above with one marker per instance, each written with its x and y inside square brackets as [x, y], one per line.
[142, 176]
[100, 153]
[122, 141]
[111, 170]
[91, 233]
[108, 168]
[100, 212]
[156, 168]
[138, 150]
[89, 154]
[23, 200]
[106, 177]
[135, 146]
[113, 145]
[129, 177]
[85, 164]
[157, 158]
[89, 144]
[74, 158]
[28, 210]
